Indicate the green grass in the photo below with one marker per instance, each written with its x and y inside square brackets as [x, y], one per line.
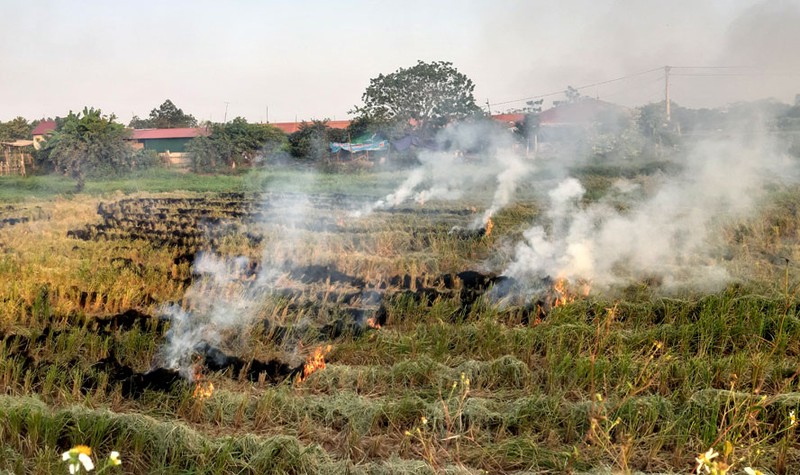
[280, 179]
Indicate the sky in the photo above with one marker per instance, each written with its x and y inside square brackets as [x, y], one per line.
[313, 59]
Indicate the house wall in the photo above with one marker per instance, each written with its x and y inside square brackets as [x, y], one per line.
[37, 141]
[162, 145]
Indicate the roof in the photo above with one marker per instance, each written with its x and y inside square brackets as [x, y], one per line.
[44, 127]
[19, 143]
[585, 111]
[180, 133]
[292, 127]
[515, 117]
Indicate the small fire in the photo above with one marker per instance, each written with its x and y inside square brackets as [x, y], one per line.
[566, 293]
[315, 362]
[202, 389]
[372, 322]
[489, 226]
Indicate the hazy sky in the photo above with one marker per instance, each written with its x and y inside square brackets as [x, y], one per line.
[313, 59]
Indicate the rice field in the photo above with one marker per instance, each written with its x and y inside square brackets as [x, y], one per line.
[420, 368]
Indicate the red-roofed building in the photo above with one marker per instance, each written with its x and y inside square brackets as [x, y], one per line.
[509, 119]
[170, 144]
[41, 131]
[166, 140]
[292, 127]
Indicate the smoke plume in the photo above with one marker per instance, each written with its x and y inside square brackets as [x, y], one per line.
[668, 235]
[467, 158]
[225, 298]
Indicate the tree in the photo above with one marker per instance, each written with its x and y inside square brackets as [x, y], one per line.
[429, 94]
[166, 116]
[529, 125]
[233, 144]
[90, 143]
[312, 140]
[18, 128]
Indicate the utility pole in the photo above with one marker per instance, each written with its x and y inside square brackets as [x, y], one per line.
[225, 117]
[666, 91]
[268, 114]
[488, 107]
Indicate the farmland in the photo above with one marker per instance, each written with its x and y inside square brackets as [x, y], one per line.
[426, 369]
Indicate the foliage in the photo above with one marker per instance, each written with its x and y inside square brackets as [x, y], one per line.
[653, 124]
[428, 94]
[203, 154]
[311, 141]
[166, 116]
[18, 128]
[234, 144]
[90, 143]
[529, 125]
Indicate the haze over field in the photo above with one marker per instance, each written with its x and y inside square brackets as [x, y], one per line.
[313, 59]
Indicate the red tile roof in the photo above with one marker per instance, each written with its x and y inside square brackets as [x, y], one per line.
[44, 127]
[515, 117]
[292, 127]
[182, 133]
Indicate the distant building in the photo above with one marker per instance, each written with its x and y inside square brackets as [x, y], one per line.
[170, 144]
[41, 131]
[510, 120]
[292, 127]
[565, 123]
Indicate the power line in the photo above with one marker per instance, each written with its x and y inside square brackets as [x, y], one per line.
[756, 72]
[736, 74]
[714, 67]
[580, 87]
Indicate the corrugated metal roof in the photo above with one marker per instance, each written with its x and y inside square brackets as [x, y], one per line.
[181, 133]
[44, 127]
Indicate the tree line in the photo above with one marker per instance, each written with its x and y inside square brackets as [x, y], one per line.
[418, 100]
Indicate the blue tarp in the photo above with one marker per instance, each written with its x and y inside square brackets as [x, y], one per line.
[373, 143]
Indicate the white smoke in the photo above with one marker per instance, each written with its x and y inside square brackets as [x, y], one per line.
[468, 157]
[669, 234]
[224, 298]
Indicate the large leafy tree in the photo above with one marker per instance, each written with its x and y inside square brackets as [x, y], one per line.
[428, 95]
[165, 116]
[89, 143]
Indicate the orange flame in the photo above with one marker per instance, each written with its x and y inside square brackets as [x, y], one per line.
[565, 293]
[372, 322]
[315, 362]
[489, 226]
[202, 389]
[563, 296]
